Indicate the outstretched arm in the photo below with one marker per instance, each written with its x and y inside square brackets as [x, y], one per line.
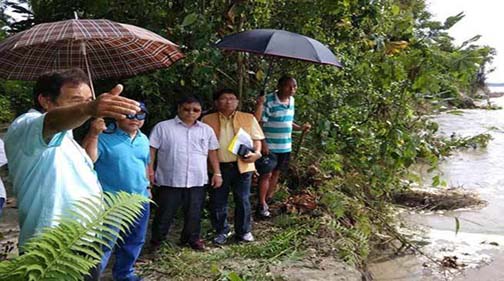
[106, 105]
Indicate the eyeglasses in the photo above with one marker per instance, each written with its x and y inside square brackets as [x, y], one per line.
[188, 110]
[224, 99]
[139, 116]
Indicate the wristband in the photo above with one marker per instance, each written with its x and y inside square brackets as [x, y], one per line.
[219, 175]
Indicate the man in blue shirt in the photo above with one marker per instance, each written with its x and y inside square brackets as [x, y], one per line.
[121, 160]
[49, 170]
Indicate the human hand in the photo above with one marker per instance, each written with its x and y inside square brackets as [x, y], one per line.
[260, 100]
[216, 180]
[112, 105]
[264, 148]
[97, 127]
[306, 127]
[149, 193]
[251, 157]
[150, 174]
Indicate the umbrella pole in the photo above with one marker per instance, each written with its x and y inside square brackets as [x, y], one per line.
[270, 68]
[83, 48]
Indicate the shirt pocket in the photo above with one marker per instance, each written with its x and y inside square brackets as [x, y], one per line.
[200, 145]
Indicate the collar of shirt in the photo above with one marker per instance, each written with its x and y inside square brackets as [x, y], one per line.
[287, 105]
[179, 121]
[227, 118]
[122, 133]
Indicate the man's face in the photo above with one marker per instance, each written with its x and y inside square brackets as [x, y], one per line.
[189, 112]
[70, 94]
[130, 125]
[289, 88]
[227, 103]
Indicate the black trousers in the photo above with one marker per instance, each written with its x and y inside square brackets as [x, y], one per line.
[169, 199]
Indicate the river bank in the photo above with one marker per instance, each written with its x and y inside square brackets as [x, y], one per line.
[476, 244]
[473, 235]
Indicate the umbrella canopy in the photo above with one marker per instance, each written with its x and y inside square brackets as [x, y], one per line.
[279, 43]
[104, 48]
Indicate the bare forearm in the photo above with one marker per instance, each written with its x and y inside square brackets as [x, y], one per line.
[296, 127]
[65, 118]
[257, 145]
[259, 111]
[213, 158]
[90, 144]
[150, 167]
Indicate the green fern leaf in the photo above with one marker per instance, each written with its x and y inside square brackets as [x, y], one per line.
[69, 250]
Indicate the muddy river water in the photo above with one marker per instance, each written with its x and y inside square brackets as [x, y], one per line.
[479, 244]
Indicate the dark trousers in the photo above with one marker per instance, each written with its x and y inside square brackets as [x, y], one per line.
[128, 249]
[239, 184]
[2, 201]
[169, 200]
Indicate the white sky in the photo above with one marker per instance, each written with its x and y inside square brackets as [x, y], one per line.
[483, 17]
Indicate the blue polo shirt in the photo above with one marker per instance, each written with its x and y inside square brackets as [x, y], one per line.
[122, 162]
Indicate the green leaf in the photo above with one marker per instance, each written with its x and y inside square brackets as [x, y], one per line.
[69, 247]
[189, 19]
[436, 180]
[233, 276]
[395, 10]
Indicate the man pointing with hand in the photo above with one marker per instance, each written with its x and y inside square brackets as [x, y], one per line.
[49, 170]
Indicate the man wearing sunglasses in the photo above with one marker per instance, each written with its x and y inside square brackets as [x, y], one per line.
[121, 159]
[182, 146]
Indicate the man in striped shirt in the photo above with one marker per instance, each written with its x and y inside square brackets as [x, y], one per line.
[276, 112]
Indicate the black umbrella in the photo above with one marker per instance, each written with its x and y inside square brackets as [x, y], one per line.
[279, 43]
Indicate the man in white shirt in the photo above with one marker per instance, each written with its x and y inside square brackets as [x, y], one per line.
[182, 146]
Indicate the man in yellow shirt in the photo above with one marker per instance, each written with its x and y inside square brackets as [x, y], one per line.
[236, 170]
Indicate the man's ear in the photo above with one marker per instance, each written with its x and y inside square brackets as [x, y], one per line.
[44, 101]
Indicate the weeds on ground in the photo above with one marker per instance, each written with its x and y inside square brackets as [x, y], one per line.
[280, 241]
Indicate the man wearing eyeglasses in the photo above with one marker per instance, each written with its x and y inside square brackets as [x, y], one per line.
[182, 146]
[236, 170]
[121, 158]
[48, 168]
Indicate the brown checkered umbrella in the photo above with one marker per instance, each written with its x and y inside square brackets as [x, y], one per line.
[110, 49]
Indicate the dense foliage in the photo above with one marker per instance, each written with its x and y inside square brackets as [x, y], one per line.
[368, 117]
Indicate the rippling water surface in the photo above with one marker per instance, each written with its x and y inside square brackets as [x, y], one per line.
[480, 241]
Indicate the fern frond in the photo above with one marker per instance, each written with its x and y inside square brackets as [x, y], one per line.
[69, 250]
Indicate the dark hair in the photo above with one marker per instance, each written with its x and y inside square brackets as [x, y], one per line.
[189, 99]
[49, 84]
[284, 79]
[221, 92]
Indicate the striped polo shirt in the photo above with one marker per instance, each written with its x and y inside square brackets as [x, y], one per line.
[277, 123]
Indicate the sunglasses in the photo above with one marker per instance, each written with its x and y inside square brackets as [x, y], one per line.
[188, 110]
[139, 116]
